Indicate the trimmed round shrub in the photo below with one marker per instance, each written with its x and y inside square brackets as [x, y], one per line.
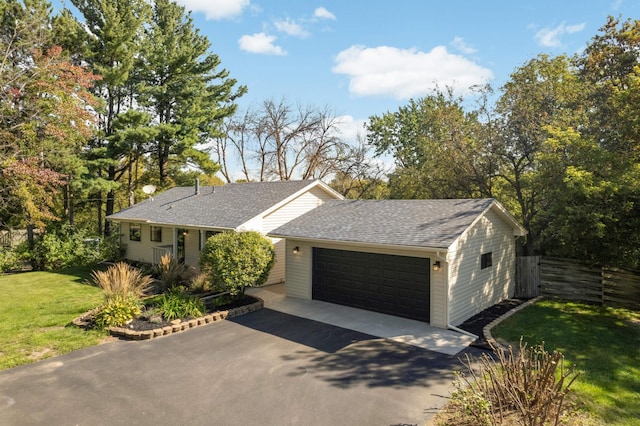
[237, 260]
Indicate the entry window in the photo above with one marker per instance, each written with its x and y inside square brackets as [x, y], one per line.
[486, 260]
[156, 233]
[134, 232]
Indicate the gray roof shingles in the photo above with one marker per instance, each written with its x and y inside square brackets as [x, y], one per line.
[421, 223]
[227, 206]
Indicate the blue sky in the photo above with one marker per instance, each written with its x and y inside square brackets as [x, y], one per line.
[363, 58]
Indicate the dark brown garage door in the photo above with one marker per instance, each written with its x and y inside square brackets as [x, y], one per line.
[396, 285]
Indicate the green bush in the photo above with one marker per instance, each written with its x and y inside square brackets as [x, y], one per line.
[9, 259]
[175, 305]
[117, 311]
[237, 260]
[62, 248]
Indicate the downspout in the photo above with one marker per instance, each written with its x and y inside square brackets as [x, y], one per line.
[449, 326]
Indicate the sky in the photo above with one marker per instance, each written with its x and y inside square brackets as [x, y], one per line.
[365, 58]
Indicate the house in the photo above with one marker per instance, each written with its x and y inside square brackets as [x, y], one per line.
[180, 220]
[438, 261]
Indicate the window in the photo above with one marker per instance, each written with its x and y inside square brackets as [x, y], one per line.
[156, 233]
[486, 260]
[134, 232]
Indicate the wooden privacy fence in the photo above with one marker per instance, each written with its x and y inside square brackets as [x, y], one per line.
[575, 281]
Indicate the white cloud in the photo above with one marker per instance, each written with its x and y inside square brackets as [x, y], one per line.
[216, 9]
[551, 37]
[323, 13]
[462, 46]
[406, 73]
[260, 43]
[350, 128]
[292, 28]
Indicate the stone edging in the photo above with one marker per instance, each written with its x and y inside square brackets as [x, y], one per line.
[487, 328]
[126, 333]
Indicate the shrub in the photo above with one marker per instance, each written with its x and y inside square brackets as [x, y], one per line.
[122, 280]
[62, 248]
[175, 305]
[9, 259]
[170, 272]
[117, 310]
[201, 283]
[237, 260]
[531, 384]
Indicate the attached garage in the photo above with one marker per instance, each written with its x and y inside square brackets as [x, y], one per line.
[419, 259]
[390, 284]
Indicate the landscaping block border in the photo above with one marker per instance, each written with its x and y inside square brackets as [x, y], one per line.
[487, 328]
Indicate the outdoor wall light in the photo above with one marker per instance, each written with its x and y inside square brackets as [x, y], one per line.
[436, 265]
[185, 232]
[296, 250]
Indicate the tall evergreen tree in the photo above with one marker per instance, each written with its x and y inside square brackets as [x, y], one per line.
[181, 87]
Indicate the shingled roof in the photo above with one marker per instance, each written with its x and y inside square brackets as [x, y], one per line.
[422, 223]
[226, 207]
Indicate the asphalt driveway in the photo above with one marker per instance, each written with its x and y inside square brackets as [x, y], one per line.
[264, 368]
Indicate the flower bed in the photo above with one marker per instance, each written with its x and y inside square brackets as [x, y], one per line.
[164, 329]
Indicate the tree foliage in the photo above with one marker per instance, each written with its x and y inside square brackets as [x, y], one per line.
[560, 148]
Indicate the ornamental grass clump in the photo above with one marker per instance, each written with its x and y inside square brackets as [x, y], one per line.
[122, 280]
[530, 385]
[170, 271]
[124, 287]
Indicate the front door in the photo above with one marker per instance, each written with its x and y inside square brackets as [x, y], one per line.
[180, 239]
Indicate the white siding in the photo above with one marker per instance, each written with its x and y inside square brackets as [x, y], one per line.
[298, 282]
[141, 251]
[473, 289]
[298, 206]
[191, 248]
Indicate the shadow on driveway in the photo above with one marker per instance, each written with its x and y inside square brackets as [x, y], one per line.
[346, 358]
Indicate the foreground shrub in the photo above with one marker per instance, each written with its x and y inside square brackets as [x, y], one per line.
[122, 280]
[118, 310]
[174, 305]
[531, 384]
[170, 272]
[237, 260]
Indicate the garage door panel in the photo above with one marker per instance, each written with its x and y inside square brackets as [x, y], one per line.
[396, 285]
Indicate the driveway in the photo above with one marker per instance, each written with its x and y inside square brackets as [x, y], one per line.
[266, 368]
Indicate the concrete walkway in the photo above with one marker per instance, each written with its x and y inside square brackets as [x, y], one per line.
[415, 333]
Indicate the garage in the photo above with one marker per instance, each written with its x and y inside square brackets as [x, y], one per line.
[390, 284]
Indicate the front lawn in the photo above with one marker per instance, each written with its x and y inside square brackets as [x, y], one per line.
[35, 311]
[604, 343]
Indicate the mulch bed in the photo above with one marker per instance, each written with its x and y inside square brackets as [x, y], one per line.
[476, 323]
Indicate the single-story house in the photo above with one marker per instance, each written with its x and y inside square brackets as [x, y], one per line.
[438, 261]
[179, 220]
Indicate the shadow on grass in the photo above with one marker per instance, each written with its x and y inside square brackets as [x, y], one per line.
[346, 358]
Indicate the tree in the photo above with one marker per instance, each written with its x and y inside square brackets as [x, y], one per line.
[110, 46]
[280, 141]
[237, 260]
[45, 115]
[180, 86]
[543, 92]
[432, 142]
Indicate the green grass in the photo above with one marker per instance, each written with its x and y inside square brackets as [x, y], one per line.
[35, 313]
[603, 343]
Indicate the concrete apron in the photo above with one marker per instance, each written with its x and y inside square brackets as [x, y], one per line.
[411, 332]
